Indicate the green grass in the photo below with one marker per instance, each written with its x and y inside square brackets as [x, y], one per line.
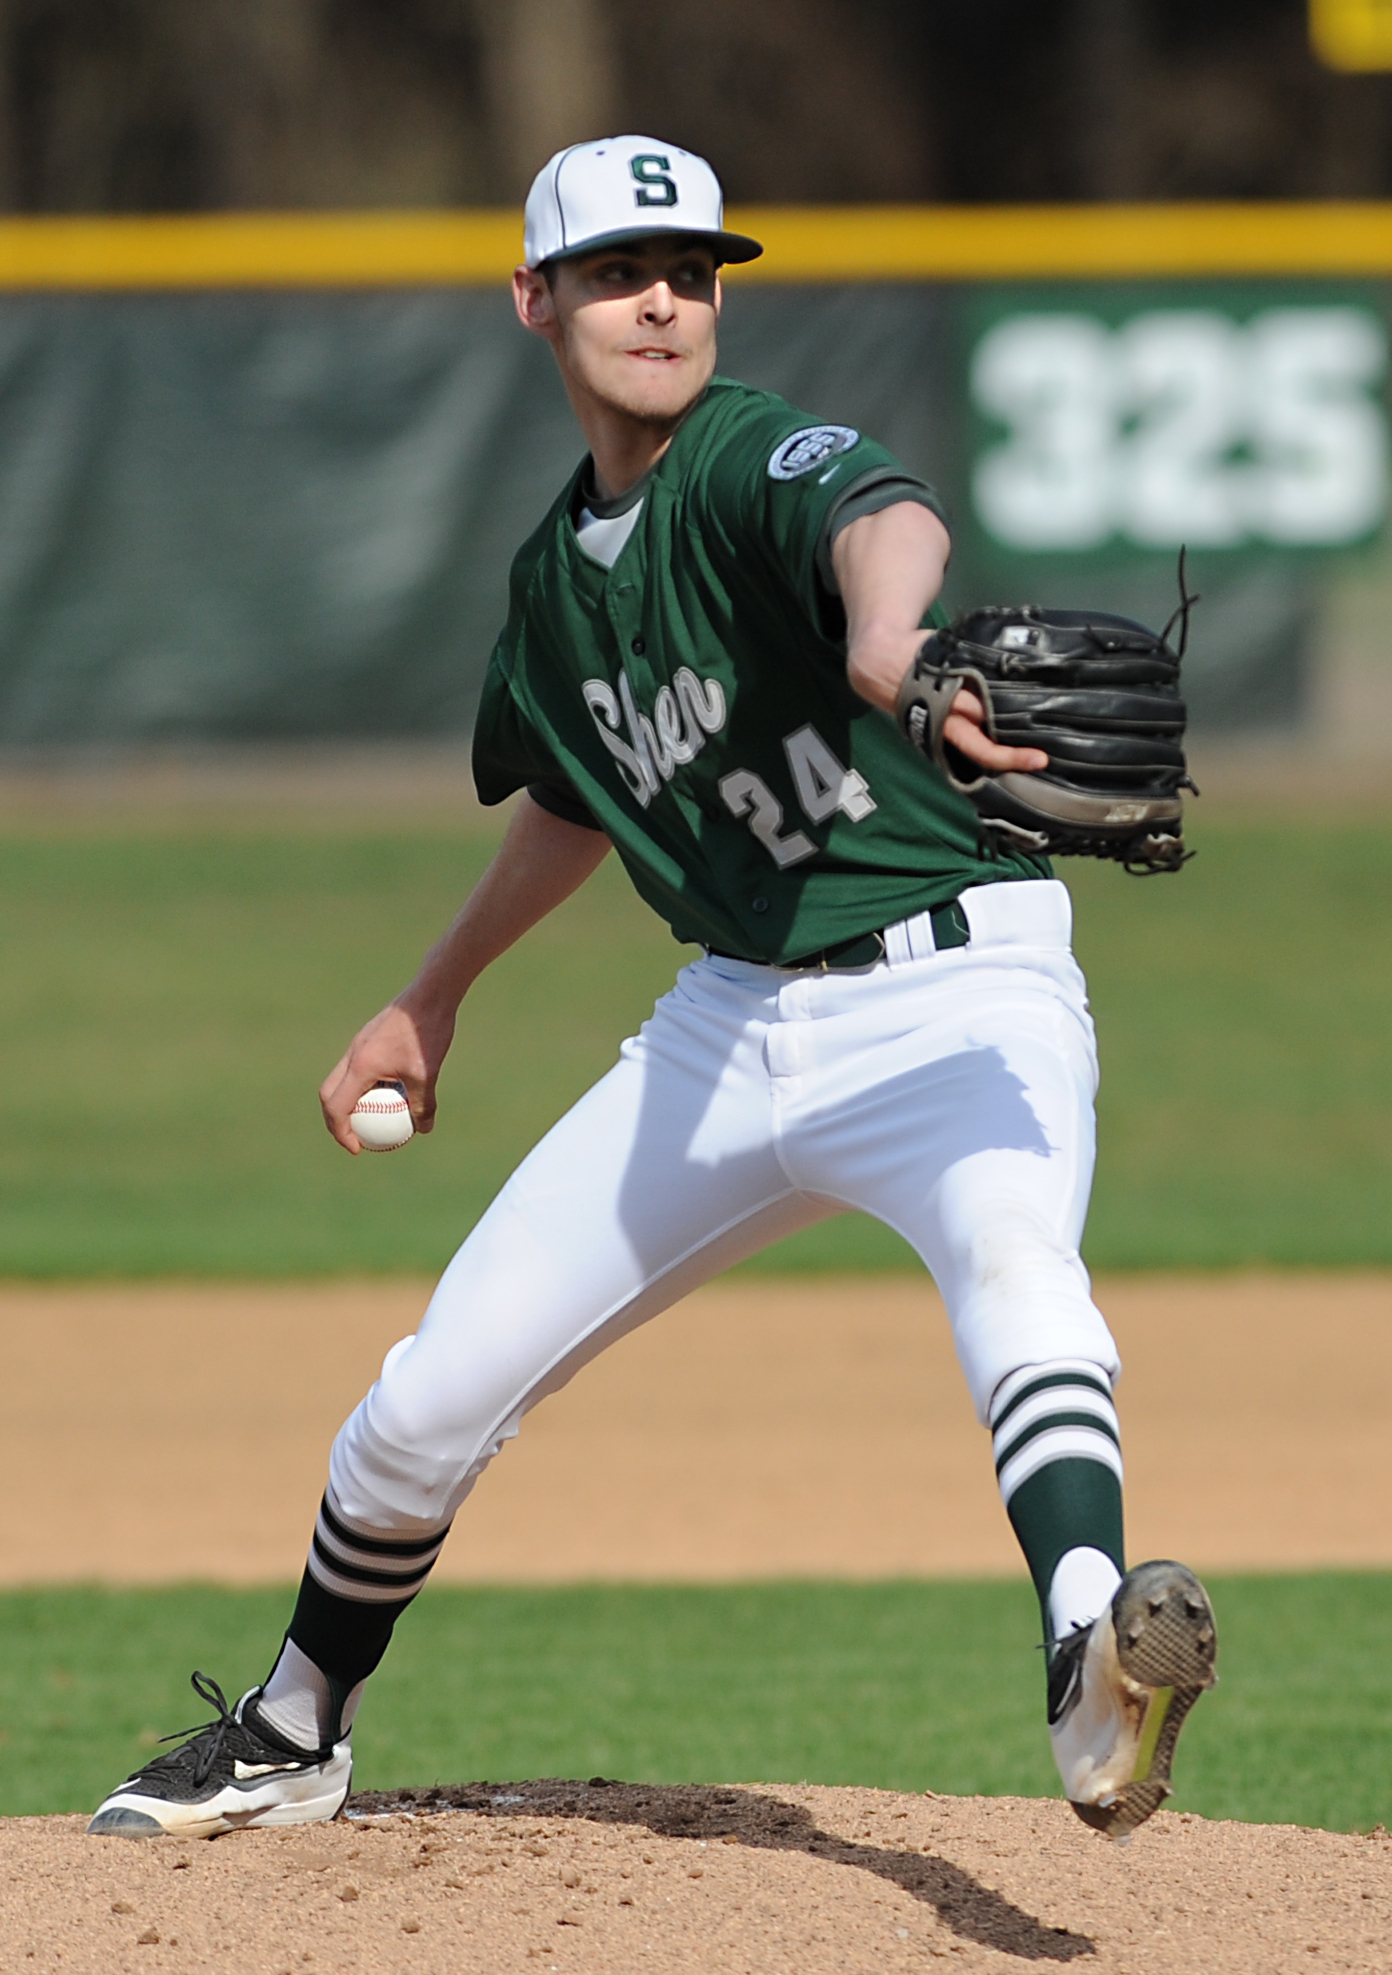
[1246, 1109]
[220, 978]
[907, 1686]
[1245, 1114]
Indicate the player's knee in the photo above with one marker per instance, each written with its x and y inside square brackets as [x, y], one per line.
[414, 1447]
[1014, 1251]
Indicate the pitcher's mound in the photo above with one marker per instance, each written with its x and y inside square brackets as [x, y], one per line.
[755, 1880]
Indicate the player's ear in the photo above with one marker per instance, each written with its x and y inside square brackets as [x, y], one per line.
[719, 293]
[533, 300]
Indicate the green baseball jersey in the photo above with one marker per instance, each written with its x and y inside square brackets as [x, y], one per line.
[693, 698]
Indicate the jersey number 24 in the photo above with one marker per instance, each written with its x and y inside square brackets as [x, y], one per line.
[823, 786]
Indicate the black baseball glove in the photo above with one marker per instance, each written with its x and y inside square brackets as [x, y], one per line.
[1100, 696]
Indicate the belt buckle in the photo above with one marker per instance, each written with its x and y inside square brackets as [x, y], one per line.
[820, 963]
[826, 966]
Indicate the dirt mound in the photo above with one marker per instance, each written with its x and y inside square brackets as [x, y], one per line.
[755, 1880]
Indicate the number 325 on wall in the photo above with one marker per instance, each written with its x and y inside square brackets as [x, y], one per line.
[1182, 425]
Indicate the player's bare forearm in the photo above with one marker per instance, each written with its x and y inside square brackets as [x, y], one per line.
[540, 862]
[890, 568]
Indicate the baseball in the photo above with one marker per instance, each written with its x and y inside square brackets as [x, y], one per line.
[382, 1118]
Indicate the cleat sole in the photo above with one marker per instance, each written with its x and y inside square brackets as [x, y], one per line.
[1167, 1640]
[1135, 1802]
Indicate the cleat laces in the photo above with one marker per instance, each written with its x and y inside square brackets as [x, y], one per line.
[203, 1746]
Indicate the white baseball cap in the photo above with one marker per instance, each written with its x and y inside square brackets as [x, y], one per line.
[626, 188]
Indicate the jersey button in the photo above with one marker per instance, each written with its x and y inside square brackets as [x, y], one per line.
[758, 905]
[638, 647]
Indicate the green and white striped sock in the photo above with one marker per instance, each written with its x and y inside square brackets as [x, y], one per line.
[1058, 1463]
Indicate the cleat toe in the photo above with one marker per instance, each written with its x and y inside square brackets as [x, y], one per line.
[1165, 1628]
[121, 1822]
[1126, 1811]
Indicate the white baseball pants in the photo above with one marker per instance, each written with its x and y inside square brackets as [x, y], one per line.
[948, 1094]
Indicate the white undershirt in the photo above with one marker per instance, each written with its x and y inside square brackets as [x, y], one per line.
[602, 540]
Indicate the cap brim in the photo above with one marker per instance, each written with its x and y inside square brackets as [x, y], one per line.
[728, 247]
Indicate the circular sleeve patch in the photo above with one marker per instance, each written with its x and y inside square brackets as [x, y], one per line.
[810, 447]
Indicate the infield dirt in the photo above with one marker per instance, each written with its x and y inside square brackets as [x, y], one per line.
[593, 1879]
[806, 1427]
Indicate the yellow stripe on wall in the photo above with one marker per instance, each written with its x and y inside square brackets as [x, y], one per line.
[261, 250]
[988, 243]
[804, 243]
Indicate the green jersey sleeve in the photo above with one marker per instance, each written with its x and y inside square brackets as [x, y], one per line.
[776, 481]
[509, 752]
[506, 752]
[871, 493]
[562, 801]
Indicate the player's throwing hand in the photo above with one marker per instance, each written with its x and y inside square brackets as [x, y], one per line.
[401, 1045]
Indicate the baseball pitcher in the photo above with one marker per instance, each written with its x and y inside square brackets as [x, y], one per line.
[708, 638]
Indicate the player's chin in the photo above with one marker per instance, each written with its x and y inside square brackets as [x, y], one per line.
[658, 390]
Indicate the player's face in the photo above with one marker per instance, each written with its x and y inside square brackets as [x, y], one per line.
[634, 326]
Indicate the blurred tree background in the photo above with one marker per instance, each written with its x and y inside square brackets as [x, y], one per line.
[170, 105]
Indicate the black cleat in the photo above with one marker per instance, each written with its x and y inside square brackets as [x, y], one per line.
[231, 1774]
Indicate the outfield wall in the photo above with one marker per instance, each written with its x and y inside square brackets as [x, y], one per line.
[263, 478]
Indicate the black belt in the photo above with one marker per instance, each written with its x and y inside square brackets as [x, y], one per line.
[949, 924]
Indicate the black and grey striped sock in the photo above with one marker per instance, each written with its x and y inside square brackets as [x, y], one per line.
[356, 1585]
[1058, 1462]
[361, 1564]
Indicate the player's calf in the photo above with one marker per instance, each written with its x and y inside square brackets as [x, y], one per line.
[1119, 1692]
